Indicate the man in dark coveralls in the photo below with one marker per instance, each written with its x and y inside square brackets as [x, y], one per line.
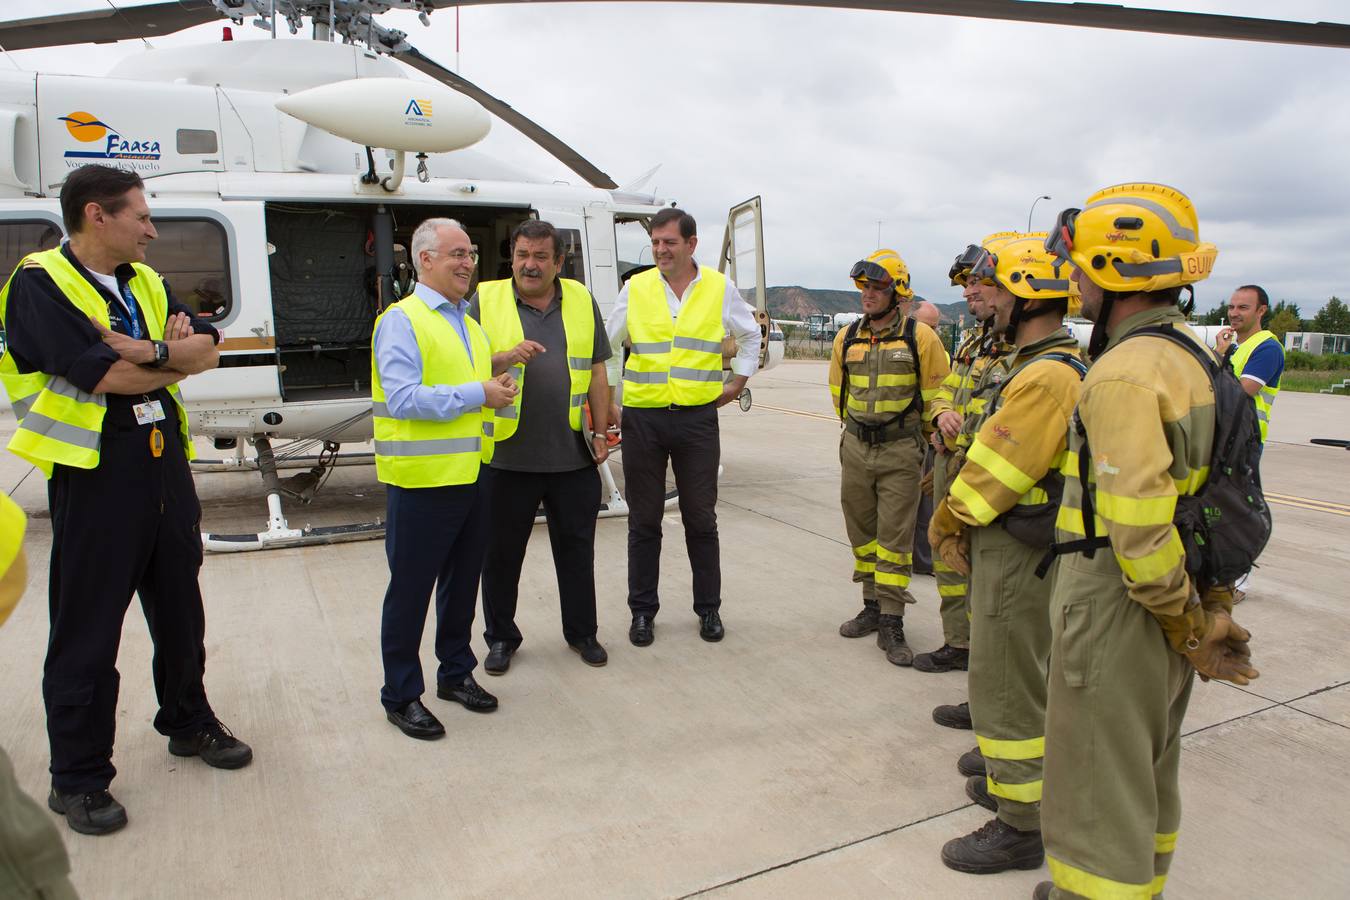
[97, 346]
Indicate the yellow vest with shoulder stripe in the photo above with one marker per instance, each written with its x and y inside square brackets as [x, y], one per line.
[501, 320]
[674, 361]
[419, 453]
[1265, 398]
[58, 422]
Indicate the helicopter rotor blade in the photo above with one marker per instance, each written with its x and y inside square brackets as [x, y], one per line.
[106, 25]
[513, 117]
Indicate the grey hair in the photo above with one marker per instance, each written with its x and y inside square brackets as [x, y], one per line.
[424, 238]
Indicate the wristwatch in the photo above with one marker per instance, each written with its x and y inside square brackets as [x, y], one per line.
[161, 354]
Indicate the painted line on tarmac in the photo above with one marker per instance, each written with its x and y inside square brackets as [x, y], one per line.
[1341, 509]
[796, 412]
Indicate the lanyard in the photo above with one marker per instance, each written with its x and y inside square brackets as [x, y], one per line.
[132, 318]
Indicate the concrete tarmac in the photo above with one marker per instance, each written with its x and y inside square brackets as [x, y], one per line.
[785, 761]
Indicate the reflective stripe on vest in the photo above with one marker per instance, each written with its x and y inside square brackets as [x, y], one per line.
[501, 320]
[418, 453]
[1265, 397]
[58, 422]
[674, 360]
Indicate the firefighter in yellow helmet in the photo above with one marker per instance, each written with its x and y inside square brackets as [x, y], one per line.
[885, 370]
[1130, 626]
[995, 525]
[33, 861]
[954, 404]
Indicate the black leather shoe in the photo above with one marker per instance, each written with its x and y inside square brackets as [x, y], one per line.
[710, 627]
[416, 721]
[944, 659]
[215, 745]
[977, 789]
[498, 658]
[995, 847]
[95, 812]
[950, 716]
[468, 694]
[642, 632]
[592, 654]
[971, 763]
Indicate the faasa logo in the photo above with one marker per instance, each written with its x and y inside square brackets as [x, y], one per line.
[89, 129]
[417, 112]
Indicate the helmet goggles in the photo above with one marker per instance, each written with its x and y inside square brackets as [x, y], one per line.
[960, 270]
[983, 266]
[866, 273]
[1059, 242]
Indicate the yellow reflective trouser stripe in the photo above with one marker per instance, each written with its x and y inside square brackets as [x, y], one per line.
[1159, 882]
[1156, 564]
[951, 590]
[1135, 510]
[940, 566]
[1095, 887]
[1030, 748]
[891, 578]
[1013, 478]
[893, 557]
[978, 506]
[1192, 483]
[860, 561]
[1021, 793]
[1165, 843]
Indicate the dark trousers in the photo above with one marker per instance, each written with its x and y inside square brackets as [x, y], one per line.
[923, 554]
[571, 503]
[690, 440]
[435, 539]
[131, 525]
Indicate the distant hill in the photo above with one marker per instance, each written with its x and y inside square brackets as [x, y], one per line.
[797, 303]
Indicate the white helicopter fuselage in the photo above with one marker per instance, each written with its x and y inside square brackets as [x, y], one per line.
[267, 228]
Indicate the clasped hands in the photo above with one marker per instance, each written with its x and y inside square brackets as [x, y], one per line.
[949, 538]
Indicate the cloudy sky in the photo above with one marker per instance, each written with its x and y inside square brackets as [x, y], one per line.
[941, 129]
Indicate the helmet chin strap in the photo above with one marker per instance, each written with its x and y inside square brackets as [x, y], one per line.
[1097, 342]
[895, 304]
[1020, 314]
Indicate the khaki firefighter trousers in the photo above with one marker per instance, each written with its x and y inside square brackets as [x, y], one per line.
[953, 604]
[879, 493]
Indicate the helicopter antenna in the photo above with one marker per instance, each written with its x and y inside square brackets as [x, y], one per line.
[124, 19]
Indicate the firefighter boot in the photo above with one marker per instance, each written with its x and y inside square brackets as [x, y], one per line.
[994, 847]
[953, 715]
[971, 763]
[891, 639]
[944, 659]
[864, 623]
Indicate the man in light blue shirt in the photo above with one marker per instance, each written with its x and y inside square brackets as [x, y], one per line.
[436, 536]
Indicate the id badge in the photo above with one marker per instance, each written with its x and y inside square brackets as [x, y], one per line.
[149, 412]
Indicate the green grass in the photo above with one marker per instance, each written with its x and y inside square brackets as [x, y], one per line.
[1311, 382]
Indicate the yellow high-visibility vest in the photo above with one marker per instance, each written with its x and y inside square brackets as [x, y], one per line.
[58, 422]
[501, 320]
[12, 570]
[1265, 398]
[674, 361]
[418, 453]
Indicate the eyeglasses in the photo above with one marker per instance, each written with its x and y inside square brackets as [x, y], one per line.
[459, 255]
[1059, 242]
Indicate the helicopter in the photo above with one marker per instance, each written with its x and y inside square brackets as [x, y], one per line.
[279, 176]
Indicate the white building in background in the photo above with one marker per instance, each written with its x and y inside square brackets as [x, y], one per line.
[1317, 343]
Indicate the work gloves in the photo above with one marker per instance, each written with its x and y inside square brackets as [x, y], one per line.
[949, 538]
[1207, 636]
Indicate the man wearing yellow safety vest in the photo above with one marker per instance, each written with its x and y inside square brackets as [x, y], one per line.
[545, 331]
[956, 403]
[1129, 626]
[995, 525]
[97, 347]
[885, 371]
[1258, 362]
[675, 316]
[433, 395]
[33, 861]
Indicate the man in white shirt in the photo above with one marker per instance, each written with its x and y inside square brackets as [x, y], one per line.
[672, 391]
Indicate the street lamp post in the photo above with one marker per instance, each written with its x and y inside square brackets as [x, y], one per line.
[1033, 208]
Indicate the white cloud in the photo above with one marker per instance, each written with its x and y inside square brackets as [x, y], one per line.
[944, 129]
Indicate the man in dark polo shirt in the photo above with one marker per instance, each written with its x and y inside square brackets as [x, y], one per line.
[547, 332]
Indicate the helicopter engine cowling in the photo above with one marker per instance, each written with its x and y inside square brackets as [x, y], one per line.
[392, 113]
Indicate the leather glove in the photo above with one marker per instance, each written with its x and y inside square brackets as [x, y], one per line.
[926, 483]
[948, 536]
[1218, 599]
[1223, 652]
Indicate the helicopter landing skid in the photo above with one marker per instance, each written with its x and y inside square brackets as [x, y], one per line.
[302, 487]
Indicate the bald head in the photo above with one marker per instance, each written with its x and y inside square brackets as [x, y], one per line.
[928, 314]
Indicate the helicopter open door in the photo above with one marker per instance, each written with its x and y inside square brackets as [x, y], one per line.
[742, 260]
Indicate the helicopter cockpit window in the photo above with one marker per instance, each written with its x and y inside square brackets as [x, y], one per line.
[18, 239]
[193, 257]
[632, 244]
